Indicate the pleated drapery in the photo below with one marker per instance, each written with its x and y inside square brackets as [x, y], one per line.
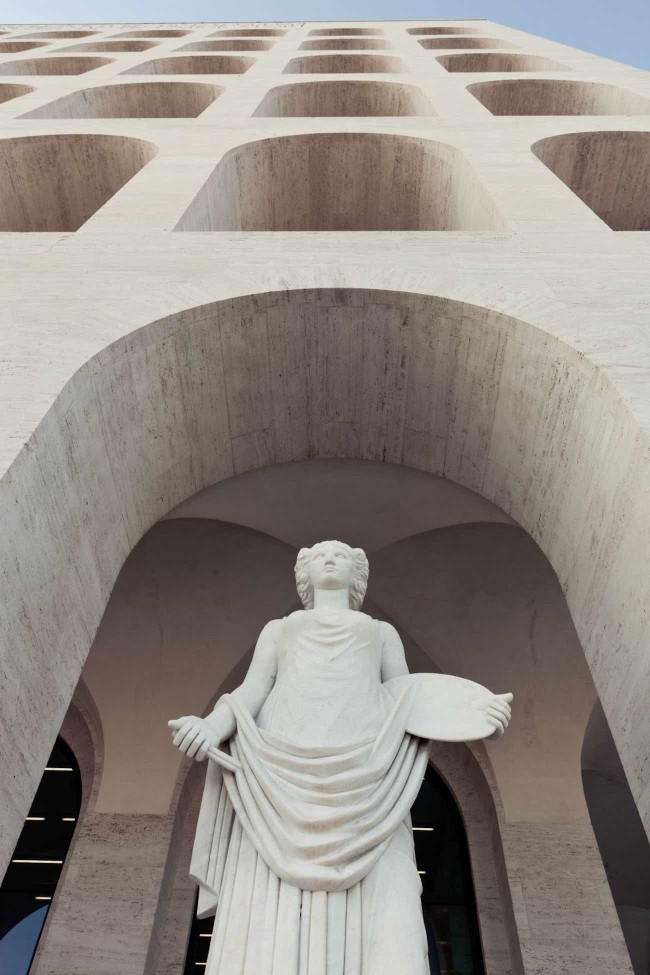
[286, 849]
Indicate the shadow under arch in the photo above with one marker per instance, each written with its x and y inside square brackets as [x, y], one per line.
[474, 395]
[619, 832]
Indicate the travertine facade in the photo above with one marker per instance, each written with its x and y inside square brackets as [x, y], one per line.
[228, 247]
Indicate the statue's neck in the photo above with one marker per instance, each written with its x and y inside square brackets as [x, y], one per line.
[331, 600]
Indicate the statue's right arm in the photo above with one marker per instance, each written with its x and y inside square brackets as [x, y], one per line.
[195, 736]
[256, 686]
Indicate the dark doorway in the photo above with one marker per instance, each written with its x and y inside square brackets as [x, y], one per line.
[32, 876]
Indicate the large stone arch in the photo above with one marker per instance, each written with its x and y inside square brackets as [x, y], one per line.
[480, 397]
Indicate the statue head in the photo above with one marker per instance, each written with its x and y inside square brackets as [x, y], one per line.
[332, 565]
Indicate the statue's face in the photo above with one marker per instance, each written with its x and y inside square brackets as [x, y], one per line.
[330, 567]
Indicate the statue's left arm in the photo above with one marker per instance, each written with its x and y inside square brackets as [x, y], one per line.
[393, 664]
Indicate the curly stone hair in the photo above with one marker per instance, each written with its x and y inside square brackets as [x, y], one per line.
[360, 573]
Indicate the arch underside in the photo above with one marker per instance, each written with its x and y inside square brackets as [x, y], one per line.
[480, 398]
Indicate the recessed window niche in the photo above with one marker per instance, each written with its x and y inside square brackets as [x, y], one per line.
[194, 64]
[7, 92]
[151, 99]
[56, 182]
[343, 181]
[107, 47]
[237, 44]
[345, 44]
[345, 32]
[153, 32]
[545, 96]
[310, 99]
[467, 43]
[432, 31]
[250, 32]
[17, 47]
[344, 64]
[609, 171]
[499, 62]
[53, 66]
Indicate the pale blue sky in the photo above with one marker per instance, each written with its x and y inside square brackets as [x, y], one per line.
[616, 30]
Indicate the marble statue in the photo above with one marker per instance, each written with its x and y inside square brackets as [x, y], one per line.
[304, 846]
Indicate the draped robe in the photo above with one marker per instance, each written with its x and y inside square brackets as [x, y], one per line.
[306, 851]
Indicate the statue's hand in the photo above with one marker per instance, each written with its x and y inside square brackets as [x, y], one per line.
[498, 714]
[194, 736]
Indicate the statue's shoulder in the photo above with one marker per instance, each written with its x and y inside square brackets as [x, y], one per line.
[296, 617]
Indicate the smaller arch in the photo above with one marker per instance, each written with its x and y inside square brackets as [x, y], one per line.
[56, 182]
[150, 99]
[343, 98]
[7, 92]
[17, 47]
[344, 64]
[345, 32]
[550, 96]
[53, 66]
[342, 181]
[194, 64]
[345, 44]
[250, 32]
[432, 31]
[236, 44]
[435, 43]
[609, 171]
[154, 32]
[485, 62]
[116, 46]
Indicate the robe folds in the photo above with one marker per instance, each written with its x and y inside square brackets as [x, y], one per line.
[306, 854]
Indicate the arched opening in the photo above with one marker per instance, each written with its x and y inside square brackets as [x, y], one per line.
[342, 181]
[7, 92]
[194, 64]
[251, 32]
[432, 383]
[345, 32]
[434, 31]
[436, 43]
[116, 46]
[546, 96]
[344, 64]
[35, 868]
[154, 32]
[16, 47]
[608, 171]
[345, 44]
[56, 182]
[53, 66]
[153, 99]
[334, 99]
[499, 62]
[470, 594]
[237, 44]
[56, 35]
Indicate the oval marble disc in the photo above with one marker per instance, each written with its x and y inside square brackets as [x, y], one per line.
[445, 708]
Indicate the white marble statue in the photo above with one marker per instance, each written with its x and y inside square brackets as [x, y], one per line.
[304, 846]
